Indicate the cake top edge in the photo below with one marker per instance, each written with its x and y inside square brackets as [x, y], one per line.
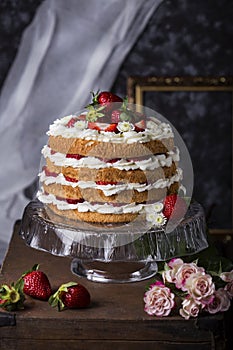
[76, 126]
[109, 118]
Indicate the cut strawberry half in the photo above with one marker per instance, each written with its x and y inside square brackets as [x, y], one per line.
[70, 179]
[109, 203]
[106, 182]
[102, 127]
[71, 122]
[175, 207]
[140, 126]
[74, 201]
[75, 156]
[114, 160]
[82, 117]
[94, 126]
[138, 159]
[111, 128]
[49, 173]
[70, 200]
[115, 116]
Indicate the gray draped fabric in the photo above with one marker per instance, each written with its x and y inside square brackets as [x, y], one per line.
[71, 48]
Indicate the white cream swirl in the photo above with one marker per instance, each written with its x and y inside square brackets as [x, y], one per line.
[155, 130]
[97, 208]
[151, 163]
[109, 189]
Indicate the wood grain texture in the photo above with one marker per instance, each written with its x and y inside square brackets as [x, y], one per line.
[115, 318]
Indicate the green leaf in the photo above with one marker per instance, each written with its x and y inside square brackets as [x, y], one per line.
[34, 268]
[166, 267]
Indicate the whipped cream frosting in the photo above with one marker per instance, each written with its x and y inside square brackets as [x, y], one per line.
[98, 208]
[150, 163]
[109, 189]
[155, 130]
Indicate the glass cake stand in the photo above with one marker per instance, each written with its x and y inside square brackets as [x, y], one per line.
[109, 253]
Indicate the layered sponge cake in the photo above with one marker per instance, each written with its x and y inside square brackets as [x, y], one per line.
[109, 165]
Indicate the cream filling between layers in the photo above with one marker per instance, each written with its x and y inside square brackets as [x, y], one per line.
[97, 208]
[150, 163]
[109, 189]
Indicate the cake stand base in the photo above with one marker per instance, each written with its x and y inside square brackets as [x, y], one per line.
[114, 272]
[112, 254]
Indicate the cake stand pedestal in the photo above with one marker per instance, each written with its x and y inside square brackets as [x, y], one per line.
[113, 254]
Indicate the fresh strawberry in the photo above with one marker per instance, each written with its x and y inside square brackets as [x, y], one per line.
[74, 201]
[122, 114]
[175, 207]
[36, 284]
[113, 160]
[71, 295]
[12, 296]
[111, 128]
[93, 126]
[49, 173]
[82, 117]
[75, 156]
[115, 116]
[140, 126]
[71, 122]
[106, 97]
[105, 100]
[70, 179]
[102, 127]
[106, 182]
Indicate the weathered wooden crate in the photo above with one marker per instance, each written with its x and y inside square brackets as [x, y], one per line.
[115, 320]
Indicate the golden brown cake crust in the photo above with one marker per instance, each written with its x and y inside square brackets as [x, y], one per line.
[92, 217]
[109, 150]
[93, 195]
[113, 174]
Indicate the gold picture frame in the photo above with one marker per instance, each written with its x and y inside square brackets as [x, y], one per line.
[138, 85]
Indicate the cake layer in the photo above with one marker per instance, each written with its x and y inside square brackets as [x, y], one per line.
[90, 217]
[112, 174]
[109, 150]
[150, 162]
[92, 195]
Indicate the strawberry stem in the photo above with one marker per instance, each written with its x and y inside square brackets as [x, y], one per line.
[56, 299]
[94, 113]
[11, 297]
[34, 268]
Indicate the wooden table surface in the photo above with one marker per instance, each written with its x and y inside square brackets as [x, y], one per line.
[115, 318]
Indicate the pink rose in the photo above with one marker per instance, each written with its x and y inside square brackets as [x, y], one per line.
[227, 276]
[183, 272]
[159, 300]
[190, 308]
[169, 275]
[220, 303]
[200, 287]
[175, 262]
[229, 288]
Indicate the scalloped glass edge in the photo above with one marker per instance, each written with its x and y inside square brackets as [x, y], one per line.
[188, 238]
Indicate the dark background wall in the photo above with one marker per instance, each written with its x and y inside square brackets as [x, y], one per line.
[183, 37]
